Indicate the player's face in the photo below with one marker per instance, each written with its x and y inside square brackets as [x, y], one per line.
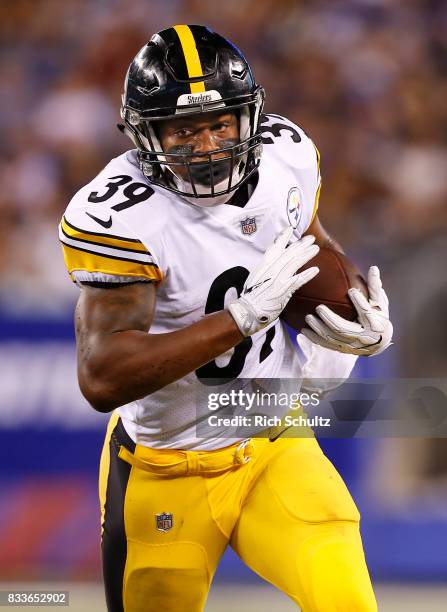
[201, 134]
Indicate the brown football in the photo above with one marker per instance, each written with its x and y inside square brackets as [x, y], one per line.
[337, 274]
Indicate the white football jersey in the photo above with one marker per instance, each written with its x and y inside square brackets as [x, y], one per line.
[120, 227]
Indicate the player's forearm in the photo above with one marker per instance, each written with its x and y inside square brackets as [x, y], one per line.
[128, 365]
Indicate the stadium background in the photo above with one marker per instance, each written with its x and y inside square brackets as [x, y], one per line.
[367, 81]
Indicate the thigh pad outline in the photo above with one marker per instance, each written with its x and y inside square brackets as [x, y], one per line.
[308, 486]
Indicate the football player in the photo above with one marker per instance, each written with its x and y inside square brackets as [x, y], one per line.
[186, 249]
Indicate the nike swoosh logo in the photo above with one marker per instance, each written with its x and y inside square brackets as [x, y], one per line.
[105, 224]
[250, 289]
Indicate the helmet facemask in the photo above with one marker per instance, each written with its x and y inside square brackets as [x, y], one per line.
[203, 175]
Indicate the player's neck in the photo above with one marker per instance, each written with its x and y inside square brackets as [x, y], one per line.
[245, 191]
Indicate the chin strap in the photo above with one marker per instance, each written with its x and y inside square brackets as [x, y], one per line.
[125, 130]
[208, 202]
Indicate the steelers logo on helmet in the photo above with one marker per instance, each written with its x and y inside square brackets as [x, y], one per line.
[294, 207]
[189, 70]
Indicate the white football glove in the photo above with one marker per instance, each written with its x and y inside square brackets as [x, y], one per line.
[271, 284]
[370, 335]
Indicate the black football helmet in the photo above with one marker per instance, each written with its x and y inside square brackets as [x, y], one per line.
[189, 69]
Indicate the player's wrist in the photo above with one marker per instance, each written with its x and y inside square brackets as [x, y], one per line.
[248, 321]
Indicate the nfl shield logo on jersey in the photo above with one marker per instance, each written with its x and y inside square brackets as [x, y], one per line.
[294, 207]
[164, 521]
[248, 226]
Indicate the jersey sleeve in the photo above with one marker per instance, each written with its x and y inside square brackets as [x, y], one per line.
[106, 256]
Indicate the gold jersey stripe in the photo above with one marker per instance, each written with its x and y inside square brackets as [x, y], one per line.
[78, 259]
[102, 239]
[317, 195]
[318, 158]
[192, 59]
[317, 201]
[105, 249]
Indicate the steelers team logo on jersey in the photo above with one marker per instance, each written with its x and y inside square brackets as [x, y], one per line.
[294, 207]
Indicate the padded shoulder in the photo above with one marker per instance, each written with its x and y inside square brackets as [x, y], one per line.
[289, 145]
[289, 142]
[99, 239]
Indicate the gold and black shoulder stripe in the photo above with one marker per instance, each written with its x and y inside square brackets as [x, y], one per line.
[106, 253]
[131, 245]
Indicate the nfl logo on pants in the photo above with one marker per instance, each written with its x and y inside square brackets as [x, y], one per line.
[248, 226]
[164, 521]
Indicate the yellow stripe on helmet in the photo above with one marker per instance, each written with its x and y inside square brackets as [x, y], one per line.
[192, 59]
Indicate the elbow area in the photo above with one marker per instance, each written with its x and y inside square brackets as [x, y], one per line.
[99, 395]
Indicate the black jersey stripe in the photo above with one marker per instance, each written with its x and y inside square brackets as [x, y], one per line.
[101, 244]
[102, 234]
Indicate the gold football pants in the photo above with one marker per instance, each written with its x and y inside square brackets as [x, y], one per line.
[168, 515]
